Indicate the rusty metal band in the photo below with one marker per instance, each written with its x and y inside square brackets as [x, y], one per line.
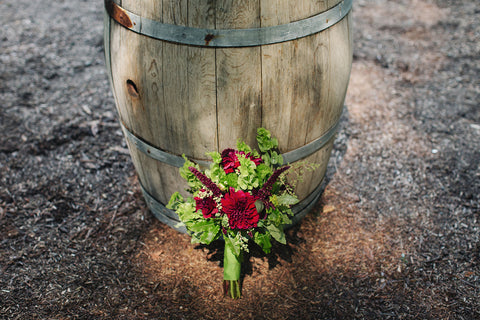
[170, 218]
[178, 161]
[224, 38]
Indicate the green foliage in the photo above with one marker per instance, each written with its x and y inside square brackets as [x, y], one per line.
[263, 172]
[287, 199]
[216, 174]
[247, 177]
[216, 157]
[204, 231]
[231, 180]
[277, 217]
[186, 212]
[277, 233]
[272, 159]
[263, 240]
[265, 140]
[242, 146]
[186, 174]
[175, 200]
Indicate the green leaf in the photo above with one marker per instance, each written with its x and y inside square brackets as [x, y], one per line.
[201, 226]
[277, 233]
[179, 225]
[186, 211]
[263, 240]
[276, 159]
[266, 159]
[247, 177]
[277, 217]
[263, 172]
[265, 140]
[210, 235]
[186, 174]
[232, 180]
[216, 157]
[286, 219]
[287, 212]
[259, 206]
[287, 199]
[175, 200]
[233, 245]
[242, 146]
[203, 231]
[279, 158]
[216, 174]
[195, 238]
[274, 215]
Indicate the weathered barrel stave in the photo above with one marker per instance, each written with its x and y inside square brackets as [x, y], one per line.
[190, 100]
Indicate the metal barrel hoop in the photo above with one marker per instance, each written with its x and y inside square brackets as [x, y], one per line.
[225, 38]
[170, 218]
[178, 161]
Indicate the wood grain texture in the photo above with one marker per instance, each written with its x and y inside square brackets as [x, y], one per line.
[301, 101]
[186, 99]
[290, 86]
[138, 89]
[238, 77]
[201, 73]
[176, 102]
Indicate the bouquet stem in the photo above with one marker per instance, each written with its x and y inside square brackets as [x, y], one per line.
[231, 272]
[231, 288]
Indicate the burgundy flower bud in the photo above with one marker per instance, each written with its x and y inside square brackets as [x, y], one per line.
[266, 191]
[273, 178]
[207, 182]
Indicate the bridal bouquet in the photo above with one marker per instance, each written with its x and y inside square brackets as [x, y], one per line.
[243, 196]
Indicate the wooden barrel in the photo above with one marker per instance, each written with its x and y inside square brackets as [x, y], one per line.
[192, 76]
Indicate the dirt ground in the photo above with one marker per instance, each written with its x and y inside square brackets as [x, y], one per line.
[394, 236]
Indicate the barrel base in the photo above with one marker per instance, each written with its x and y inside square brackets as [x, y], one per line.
[162, 213]
[170, 218]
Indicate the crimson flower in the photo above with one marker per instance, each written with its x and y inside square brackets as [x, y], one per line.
[230, 160]
[207, 205]
[257, 161]
[239, 206]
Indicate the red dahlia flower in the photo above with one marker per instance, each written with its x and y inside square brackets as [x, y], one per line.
[230, 160]
[207, 205]
[239, 206]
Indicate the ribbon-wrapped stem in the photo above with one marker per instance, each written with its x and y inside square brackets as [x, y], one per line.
[232, 265]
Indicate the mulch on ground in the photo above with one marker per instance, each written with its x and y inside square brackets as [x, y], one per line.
[394, 236]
